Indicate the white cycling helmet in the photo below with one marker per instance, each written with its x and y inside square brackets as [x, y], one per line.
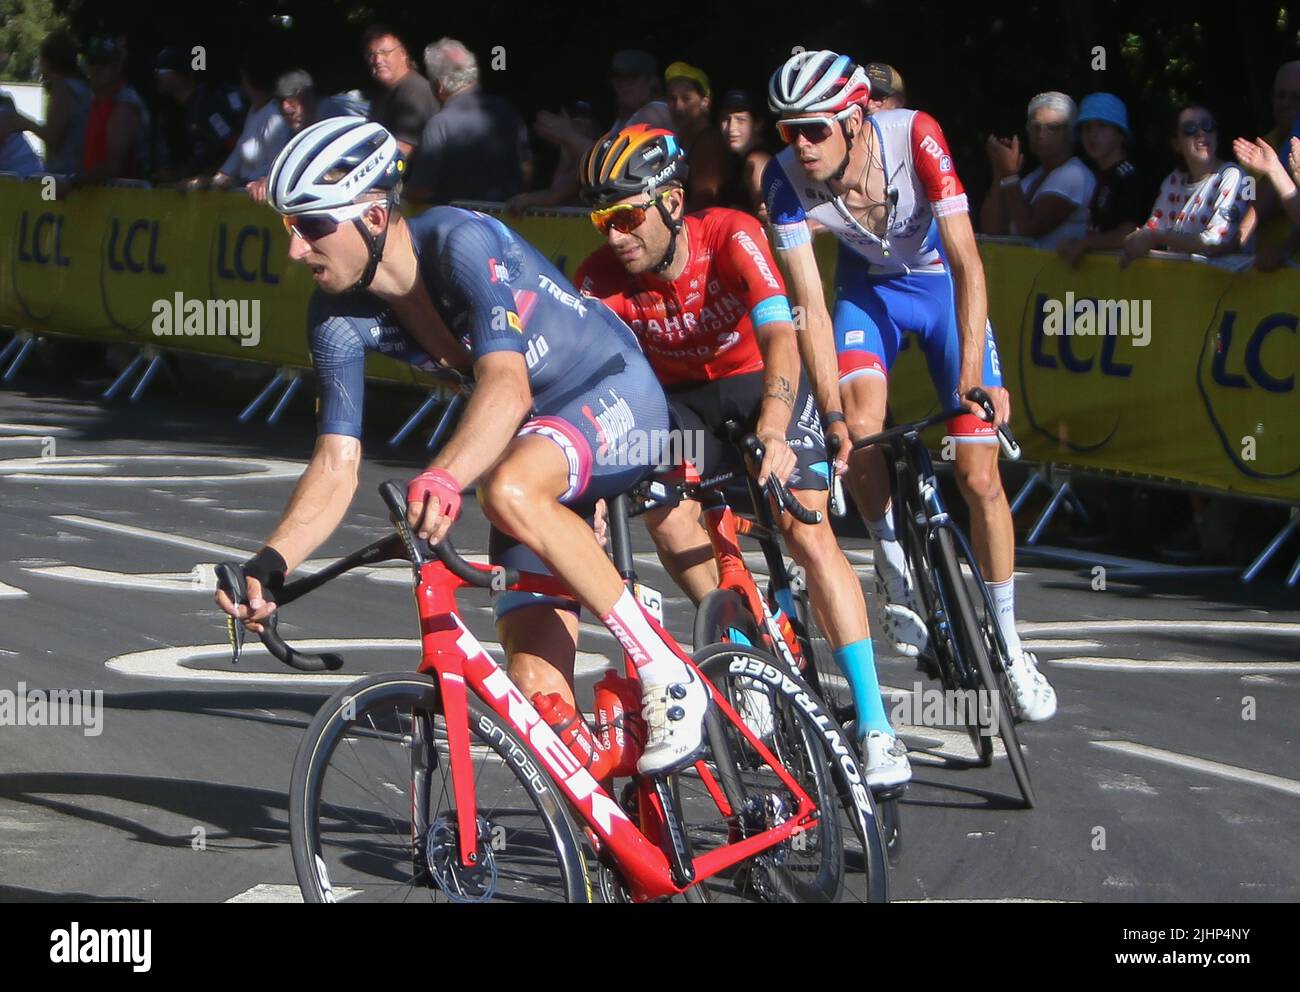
[818, 82]
[297, 182]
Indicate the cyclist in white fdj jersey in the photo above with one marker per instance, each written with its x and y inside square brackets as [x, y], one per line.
[559, 389]
[886, 187]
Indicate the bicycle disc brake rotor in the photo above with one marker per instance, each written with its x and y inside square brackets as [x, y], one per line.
[475, 883]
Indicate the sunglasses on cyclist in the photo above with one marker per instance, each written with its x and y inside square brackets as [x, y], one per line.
[1193, 128]
[815, 130]
[313, 227]
[622, 217]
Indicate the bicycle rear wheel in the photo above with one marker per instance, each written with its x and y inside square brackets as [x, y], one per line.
[975, 634]
[840, 857]
[372, 811]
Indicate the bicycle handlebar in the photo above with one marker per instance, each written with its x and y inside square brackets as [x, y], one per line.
[1010, 447]
[776, 489]
[230, 579]
[394, 495]
[403, 545]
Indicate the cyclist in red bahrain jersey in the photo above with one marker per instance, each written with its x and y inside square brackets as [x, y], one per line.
[704, 297]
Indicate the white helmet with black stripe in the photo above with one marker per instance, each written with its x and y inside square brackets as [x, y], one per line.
[329, 164]
[818, 82]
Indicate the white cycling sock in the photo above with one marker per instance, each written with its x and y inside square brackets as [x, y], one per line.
[1004, 599]
[891, 563]
[656, 662]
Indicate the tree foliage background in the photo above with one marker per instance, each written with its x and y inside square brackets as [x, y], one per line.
[973, 65]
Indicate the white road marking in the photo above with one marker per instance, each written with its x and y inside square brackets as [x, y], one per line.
[1263, 780]
[170, 663]
[44, 430]
[156, 581]
[266, 892]
[162, 537]
[1195, 667]
[1171, 626]
[1046, 644]
[11, 592]
[98, 469]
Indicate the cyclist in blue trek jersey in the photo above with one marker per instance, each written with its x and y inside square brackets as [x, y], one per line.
[886, 187]
[560, 398]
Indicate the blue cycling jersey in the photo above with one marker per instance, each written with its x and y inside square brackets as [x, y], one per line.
[495, 292]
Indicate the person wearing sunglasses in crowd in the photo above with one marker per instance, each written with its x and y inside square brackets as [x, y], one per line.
[560, 396]
[1199, 208]
[886, 186]
[702, 293]
[1050, 205]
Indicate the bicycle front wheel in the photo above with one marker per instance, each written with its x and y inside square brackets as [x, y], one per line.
[841, 856]
[971, 629]
[373, 812]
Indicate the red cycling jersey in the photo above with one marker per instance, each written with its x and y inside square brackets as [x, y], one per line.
[700, 326]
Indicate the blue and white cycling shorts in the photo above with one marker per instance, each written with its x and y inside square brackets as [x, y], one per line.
[873, 312]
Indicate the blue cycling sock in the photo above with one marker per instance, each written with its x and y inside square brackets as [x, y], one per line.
[858, 663]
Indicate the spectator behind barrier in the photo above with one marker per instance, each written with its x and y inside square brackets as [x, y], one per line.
[16, 153]
[117, 124]
[887, 89]
[407, 101]
[1199, 208]
[1277, 240]
[1050, 204]
[295, 96]
[64, 130]
[213, 116]
[690, 102]
[1260, 157]
[578, 117]
[1119, 205]
[265, 131]
[634, 75]
[476, 146]
[744, 126]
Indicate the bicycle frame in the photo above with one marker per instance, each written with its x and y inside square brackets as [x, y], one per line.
[725, 528]
[460, 664]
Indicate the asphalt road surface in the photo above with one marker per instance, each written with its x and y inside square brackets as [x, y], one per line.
[1169, 773]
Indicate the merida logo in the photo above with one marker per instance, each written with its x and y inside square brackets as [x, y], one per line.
[77, 946]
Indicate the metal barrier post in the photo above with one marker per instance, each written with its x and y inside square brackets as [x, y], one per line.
[449, 417]
[23, 342]
[155, 363]
[294, 380]
[1265, 556]
[414, 420]
[1061, 493]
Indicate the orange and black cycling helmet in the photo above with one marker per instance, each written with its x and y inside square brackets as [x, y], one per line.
[637, 159]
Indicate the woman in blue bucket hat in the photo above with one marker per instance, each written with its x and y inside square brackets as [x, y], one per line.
[1119, 204]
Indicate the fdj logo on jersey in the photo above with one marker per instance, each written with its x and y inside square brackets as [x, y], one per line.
[243, 254]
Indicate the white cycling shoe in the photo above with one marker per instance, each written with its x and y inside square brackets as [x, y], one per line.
[674, 716]
[885, 760]
[902, 617]
[1035, 697]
